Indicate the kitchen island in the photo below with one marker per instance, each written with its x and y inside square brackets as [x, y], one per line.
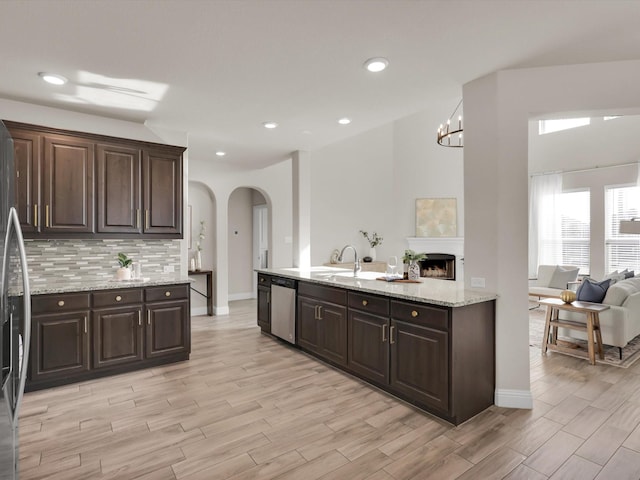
[84, 330]
[430, 343]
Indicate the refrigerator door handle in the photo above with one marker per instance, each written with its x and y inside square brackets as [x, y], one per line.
[26, 310]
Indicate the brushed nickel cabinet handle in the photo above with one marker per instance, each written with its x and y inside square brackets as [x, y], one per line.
[118, 298]
[364, 302]
[146, 219]
[46, 215]
[61, 303]
[319, 312]
[35, 215]
[414, 314]
[316, 315]
[148, 317]
[137, 218]
[167, 293]
[139, 318]
[384, 332]
[391, 330]
[86, 327]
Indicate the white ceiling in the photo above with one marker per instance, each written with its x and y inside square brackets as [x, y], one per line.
[218, 69]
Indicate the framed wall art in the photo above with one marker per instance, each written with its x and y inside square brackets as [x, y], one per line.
[436, 217]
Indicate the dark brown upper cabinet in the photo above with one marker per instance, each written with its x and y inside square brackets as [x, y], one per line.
[119, 192]
[27, 147]
[67, 186]
[82, 185]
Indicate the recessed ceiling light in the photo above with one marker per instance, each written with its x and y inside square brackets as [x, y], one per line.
[344, 121]
[376, 64]
[53, 78]
[220, 153]
[270, 125]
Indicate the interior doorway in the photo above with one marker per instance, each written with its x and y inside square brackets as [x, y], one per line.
[260, 241]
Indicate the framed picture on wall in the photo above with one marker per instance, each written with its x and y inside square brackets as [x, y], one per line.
[436, 217]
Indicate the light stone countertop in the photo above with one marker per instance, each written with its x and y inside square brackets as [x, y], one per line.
[63, 285]
[437, 292]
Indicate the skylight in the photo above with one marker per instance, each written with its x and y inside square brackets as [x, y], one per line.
[556, 125]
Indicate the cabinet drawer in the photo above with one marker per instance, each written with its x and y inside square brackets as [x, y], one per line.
[431, 316]
[166, 292]
[369, 303]
[333, 295]
[264, 279]
[62, 302]
[114, 298]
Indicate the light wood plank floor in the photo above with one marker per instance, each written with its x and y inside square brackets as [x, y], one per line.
[248, 407]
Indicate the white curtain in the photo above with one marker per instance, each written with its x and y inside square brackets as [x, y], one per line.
[545, 235]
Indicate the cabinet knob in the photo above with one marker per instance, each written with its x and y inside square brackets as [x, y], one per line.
[364, 302]
[414, 314]
[262, 279]
[61, 303]
[167, 294]
[118, 298]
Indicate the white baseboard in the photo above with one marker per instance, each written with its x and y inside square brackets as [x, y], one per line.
[240, 296]
[513, 398]
[197, 311]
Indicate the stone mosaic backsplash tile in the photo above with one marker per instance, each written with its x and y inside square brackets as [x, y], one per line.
[90, 260]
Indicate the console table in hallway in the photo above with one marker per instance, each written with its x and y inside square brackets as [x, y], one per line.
[209, 295]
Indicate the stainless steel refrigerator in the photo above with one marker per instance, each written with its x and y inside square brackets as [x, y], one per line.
[15, 312]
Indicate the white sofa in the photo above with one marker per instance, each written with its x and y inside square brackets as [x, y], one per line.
[621, 322]
[545, 285]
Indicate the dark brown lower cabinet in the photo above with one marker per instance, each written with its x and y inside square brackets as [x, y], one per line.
[166, 332]
[264, 303]
[78, 336]
[117, 336]
[59, 345]
[420, 363]
[322, 327]
[368, 346]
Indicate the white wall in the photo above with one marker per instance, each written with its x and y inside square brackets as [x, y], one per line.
[240, 241]
[202, 208]
[371, 182]
[497, 112]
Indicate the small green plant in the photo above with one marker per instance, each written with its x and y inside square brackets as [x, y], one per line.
[411, 256]
[374, 240]
[123, 260]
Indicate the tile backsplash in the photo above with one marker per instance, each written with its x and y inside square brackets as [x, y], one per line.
[90, 260]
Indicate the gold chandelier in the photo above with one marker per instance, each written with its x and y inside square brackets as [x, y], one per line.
[451, 135]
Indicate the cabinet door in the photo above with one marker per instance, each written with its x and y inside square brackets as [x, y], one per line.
[420, 363]
[27, 150]
[307, 326]
[68, 185]
[368, 346]
[117, 336]
[59, 345]
[264, 308]
[162, 178]
[168, 330]
[118, 175]
[333, 332]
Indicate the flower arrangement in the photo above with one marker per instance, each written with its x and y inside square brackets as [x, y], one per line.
[411, 256]
[201, 235]
[374, 240]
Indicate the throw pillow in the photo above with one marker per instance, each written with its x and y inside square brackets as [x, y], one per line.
[629, 274]
[562, 277]
[594, 292]
[614, 277]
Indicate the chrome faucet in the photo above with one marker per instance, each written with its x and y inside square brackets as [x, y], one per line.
[356, 264]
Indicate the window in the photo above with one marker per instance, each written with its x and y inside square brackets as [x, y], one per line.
[556, 125]
[621, 250]
[570, 244]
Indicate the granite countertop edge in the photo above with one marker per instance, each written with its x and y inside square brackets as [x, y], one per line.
[62, 286]
[433, 291]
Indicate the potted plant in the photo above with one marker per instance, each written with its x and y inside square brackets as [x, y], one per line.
[124, 272]
[374, 240]
[411, 258]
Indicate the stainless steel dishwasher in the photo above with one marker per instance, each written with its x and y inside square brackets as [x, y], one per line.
[283, 308]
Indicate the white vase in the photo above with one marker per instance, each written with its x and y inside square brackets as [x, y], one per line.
[123, 273]
[198, 261]
[372, 253]
[414, 270]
